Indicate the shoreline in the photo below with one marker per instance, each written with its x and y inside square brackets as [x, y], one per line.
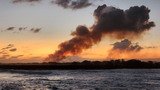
[85, 65]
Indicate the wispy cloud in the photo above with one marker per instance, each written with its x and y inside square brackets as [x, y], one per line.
[9, 46]
[151, 47]
[13, 49]
[35, 30]
[29, 1]
[66, 4]
[21, 29]
[72, 4]
[16, 57]
[5, 51]
[10, 28]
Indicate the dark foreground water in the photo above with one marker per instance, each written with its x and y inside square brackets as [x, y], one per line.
[118, 79]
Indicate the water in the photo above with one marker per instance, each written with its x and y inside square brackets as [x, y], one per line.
[116, 79]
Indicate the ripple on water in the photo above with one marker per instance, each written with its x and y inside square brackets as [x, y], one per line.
[118, 79]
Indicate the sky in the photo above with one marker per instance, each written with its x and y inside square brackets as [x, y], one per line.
[47, 25]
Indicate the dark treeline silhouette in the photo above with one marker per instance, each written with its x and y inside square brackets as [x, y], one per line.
[112, 64]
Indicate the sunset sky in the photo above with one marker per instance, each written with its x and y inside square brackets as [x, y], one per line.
[45, 25]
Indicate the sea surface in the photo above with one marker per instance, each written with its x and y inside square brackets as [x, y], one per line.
[113, 79]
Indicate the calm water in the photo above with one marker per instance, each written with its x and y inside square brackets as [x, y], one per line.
[118, 79]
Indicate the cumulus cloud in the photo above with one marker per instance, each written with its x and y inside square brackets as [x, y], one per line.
[126, 45]
[118, 23]
[124, 49]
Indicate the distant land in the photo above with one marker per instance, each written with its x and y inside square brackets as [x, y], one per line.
[112, 64]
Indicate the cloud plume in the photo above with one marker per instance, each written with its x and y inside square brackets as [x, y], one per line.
[109, 21]
[119, 23]
[72, 4]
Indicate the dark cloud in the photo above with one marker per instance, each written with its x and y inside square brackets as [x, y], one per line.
[35, 30]
[5, 52]
[124, 49]
[18, 1]
[19, 29]
[13, 49]
[119, 23]
[127, 46]
[81, 31]
[111, 22]
[9, 47]
[76, 45]
[10, 28]
[22, 28]
[72, 4]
